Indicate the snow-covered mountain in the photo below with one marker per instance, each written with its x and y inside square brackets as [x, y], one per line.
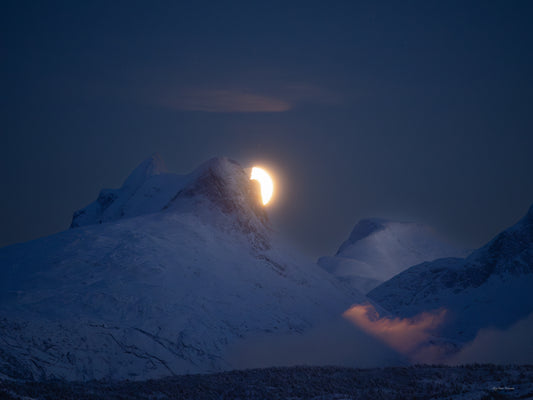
[159, 277]
[378, 249]
[493, 287]
[147, 190]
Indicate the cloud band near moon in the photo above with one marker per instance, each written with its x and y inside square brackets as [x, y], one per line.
[224, 101]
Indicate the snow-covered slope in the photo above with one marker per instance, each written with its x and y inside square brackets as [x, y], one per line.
[493, 287]
[148, 189]
[378, 249]
[180, 269]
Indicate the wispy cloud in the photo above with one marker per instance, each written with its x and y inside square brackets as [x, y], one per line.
[224, 101]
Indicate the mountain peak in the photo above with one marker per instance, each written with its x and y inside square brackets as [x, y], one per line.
[508, 252]
[222, 184]
[158, 291]
[219, 190]
[363, 228]
[225, 183]
[139, 194]
[153, 165]
[378, 249]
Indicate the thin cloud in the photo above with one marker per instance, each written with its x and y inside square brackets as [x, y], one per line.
[225, 101]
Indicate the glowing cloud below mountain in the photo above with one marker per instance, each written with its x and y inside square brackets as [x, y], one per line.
[405, 335]
[267, 185]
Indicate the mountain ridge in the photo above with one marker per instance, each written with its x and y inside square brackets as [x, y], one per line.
[490, 287]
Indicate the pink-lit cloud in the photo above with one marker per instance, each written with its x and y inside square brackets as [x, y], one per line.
[406, 335]
[224, 101]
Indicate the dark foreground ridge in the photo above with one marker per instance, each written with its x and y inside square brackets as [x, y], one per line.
[485, 381]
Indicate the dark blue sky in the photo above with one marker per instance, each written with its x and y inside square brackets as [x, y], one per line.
[413, 110]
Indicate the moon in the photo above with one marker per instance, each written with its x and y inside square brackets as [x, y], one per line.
[267, 185]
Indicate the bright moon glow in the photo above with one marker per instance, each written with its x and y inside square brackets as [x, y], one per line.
[267, 185]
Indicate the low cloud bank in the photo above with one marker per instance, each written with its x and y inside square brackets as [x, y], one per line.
[510, 346]
[362, 338]
[336, 342]
[417, 338]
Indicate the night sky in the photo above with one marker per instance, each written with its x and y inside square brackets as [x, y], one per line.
[410, 110]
